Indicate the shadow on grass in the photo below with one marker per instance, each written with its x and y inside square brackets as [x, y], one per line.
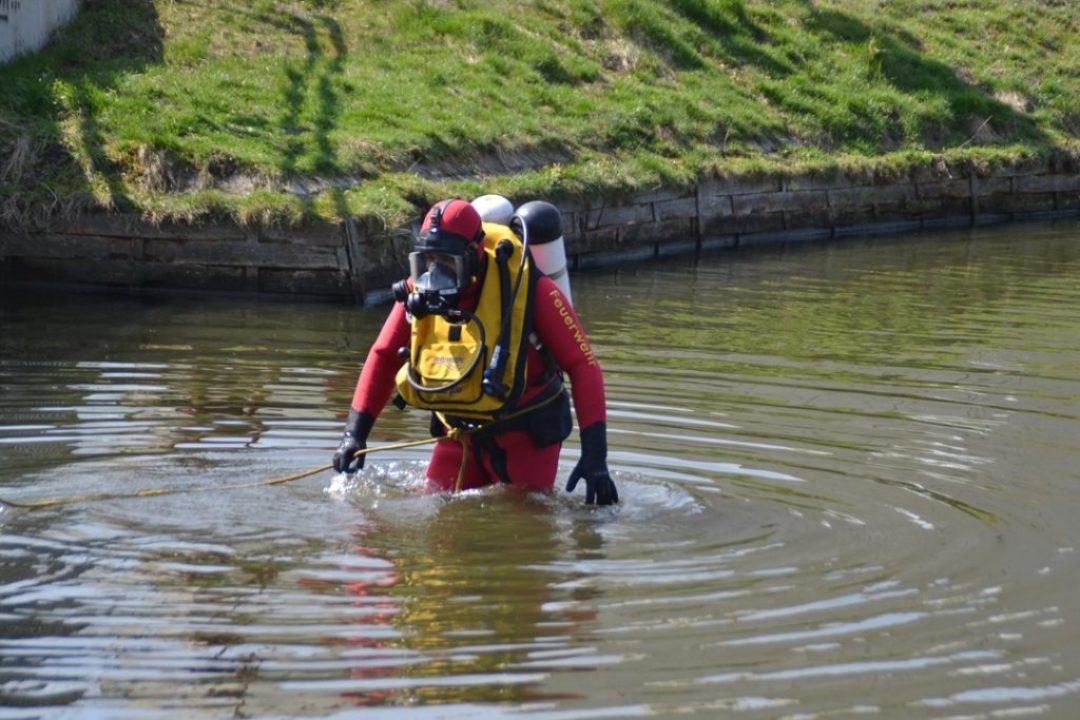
[50, 112]
[735, 34]
[52, 150]
[954, 110]
[311, 102]
[897, 59]
[726, 31]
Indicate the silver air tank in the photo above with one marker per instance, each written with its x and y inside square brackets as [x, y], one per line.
[544, 223]
[546, 243]
[494, 209]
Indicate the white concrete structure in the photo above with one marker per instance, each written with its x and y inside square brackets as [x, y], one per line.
[26, 25]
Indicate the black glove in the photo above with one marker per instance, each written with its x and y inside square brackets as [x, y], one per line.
[592, 466]
[357, 427]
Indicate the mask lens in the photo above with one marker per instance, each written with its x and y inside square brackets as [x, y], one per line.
[435, 271]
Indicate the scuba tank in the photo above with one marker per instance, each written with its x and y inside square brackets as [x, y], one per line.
[543, 228]
[494, 209]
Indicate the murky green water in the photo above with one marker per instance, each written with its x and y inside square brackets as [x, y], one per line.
[851, 482]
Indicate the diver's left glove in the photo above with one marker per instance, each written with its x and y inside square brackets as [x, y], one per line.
[357, 427]
[592, 467]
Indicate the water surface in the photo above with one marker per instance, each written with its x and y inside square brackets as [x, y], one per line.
[849, 476]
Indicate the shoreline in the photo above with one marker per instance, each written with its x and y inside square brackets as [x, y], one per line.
[358, 259]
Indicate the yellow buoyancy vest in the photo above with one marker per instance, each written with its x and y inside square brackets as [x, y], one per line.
[442, 353]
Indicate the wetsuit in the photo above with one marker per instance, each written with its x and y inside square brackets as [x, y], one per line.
[521, 461]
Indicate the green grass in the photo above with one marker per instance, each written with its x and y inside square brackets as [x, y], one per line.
[197, 109]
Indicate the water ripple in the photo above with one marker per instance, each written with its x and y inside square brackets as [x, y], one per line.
[848, 478]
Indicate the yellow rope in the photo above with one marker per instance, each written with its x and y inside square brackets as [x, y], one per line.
[462, 438]
[154, 492]
[459, 434]
[462, 434]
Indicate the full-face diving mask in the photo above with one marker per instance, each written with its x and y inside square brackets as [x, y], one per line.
[444, 260]
[437, 272]
[437, 281]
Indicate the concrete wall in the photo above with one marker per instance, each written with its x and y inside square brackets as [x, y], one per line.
[360, 261]
[26, 25]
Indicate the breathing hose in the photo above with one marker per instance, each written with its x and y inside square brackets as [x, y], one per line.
[495, 371]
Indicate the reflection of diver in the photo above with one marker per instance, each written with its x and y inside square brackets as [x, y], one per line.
[374, 597]
[481, 337]
[474, 593]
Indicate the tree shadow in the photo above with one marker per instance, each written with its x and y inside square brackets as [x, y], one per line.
[960, 112]
[110, 39]
[54, 99]
[313, 82]
[897, 57]
[733, 33]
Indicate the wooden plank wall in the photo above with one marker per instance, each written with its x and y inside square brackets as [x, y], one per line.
[359, 260]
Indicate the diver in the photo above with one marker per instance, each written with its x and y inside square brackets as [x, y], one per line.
[480, 337]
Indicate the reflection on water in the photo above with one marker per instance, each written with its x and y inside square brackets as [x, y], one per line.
[848, 474]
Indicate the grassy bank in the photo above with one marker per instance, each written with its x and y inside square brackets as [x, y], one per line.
[281, 111]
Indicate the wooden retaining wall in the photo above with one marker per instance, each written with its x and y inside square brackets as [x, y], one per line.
[360, 260]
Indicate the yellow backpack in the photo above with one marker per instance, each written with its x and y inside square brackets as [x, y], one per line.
[475, 366]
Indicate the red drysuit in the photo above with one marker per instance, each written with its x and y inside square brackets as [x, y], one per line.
[559, 330]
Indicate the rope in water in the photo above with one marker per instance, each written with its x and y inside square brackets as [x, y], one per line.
[154, 492]
[459, 434]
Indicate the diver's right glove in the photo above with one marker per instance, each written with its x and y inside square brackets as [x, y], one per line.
[592, 466]
[357, 427]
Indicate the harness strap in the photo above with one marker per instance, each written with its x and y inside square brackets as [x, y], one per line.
[485, 445]
[550, 395]
[481, 438]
